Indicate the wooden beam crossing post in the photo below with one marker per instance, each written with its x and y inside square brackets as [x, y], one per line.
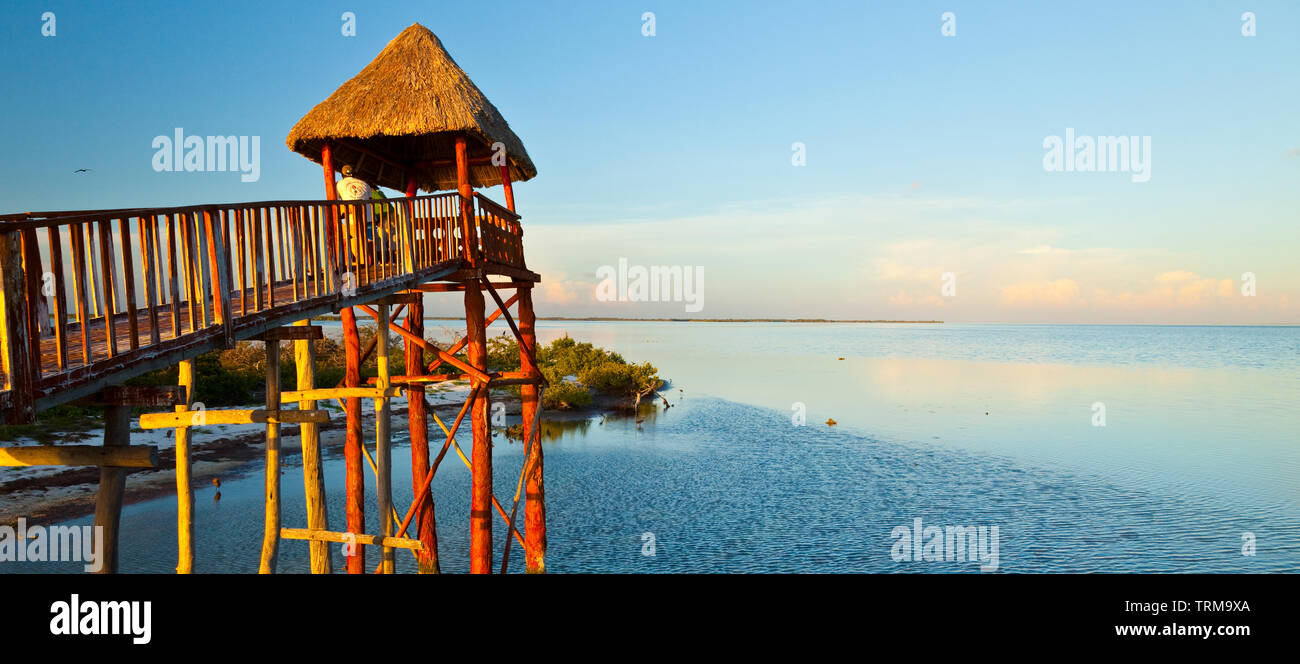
[383, 441]
[480, 514]
[130, 456]
[112, 486]
[184, 482]
[271, 534]
[535, 491]
[313, 473]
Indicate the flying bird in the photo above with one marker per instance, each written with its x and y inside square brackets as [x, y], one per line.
[81, 170]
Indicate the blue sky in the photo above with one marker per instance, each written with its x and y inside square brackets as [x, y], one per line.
[924, 152]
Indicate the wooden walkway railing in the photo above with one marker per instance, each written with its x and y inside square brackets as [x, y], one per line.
[95, 296]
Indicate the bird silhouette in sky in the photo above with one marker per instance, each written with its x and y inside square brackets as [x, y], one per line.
[82, 170]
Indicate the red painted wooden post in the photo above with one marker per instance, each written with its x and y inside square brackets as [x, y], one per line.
[480, 504]
[505, 183]
[220, 276]
[535, 491]
[419, 424]
[355, 482]
[467, 223]
[332, 231]
[327, 162]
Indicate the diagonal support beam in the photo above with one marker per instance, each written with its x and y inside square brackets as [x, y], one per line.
[428, 480]
[469, 466]
[502, 307]
[443, 355]
[460, 345]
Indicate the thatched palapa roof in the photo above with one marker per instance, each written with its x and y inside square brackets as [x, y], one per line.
[408, 105]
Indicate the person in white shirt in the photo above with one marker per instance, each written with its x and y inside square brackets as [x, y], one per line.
[353, 189]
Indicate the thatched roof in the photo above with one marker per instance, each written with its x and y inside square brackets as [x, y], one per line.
[408, 105]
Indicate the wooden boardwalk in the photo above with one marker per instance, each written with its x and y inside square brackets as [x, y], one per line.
[179, 282]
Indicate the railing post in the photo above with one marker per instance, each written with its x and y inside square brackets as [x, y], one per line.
[220, 269]
[33, 277]
[14, 341]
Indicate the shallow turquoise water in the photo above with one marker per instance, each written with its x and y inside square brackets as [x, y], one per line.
[978, 425]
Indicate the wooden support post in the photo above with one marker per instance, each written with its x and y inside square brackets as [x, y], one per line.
[112, 485]
[14, 340]
[535, 492]
[417, 416]
[505, 184]
[466, 190]
[327, 163]
[334, 247]
[271, 534]
[355, 482]
[480, 514]
[184, 483]
[313, 472]
[383, 441]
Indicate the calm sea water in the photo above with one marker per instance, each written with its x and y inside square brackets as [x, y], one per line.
[957, 425]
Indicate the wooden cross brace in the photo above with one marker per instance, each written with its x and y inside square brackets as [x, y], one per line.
[199, 418]
[355, 538]
[129, 456]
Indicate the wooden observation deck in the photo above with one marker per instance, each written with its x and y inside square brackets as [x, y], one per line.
[89, 299]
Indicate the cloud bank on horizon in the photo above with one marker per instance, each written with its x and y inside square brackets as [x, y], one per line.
[893, 261]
